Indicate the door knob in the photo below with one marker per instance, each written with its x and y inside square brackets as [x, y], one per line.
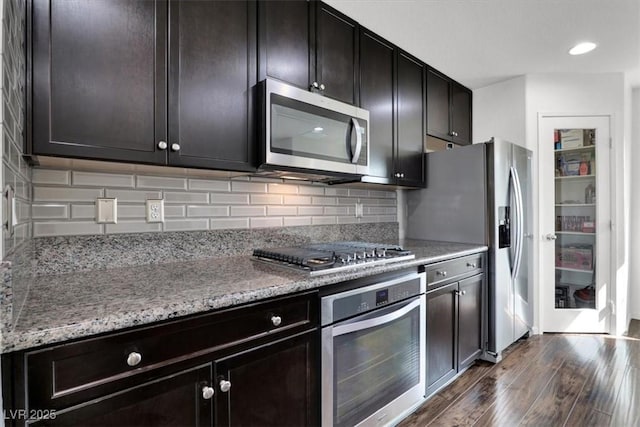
[207, 392]
[225, 386]
[551, 236]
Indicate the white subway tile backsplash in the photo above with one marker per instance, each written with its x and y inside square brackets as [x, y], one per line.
[248, 187]
[186, 225]
[292, 221]
[229, 199]
[161, 182]
[83, 211]
[133, 195]
[324, 201]
[265, 222]
[242, 202]
[266, 199]
[356, 192]
[297, 200]
[209, 185]
[207, 211]
[133, 227]
[248, 211]
[322, 220]
[336, 210]
[332, 191]
[68, 228]
[224, 223]
[281, 210]
[58, 194]
[348, 220]
[48, 176]
[175, 211]
[131, 211]
[310, 210]
[49, 211]
[387, 218]
[176, 197]
[283, 189]
[91, 179]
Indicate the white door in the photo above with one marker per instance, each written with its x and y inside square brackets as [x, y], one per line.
[575, 213]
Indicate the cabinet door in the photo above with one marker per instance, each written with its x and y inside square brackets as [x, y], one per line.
[470, 320]
[337, 54]
[273, 385]
[285, 40]
[99, 79]
[438, 105]
[460, 114]
[212, 53]
[409, 160]
[171, 401]
[377, 96]
[441, 336]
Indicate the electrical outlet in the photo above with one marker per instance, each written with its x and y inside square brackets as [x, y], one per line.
[359, 210]
[155, 210]
[106, 211]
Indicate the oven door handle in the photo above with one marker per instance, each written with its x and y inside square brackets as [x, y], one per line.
[375, 321]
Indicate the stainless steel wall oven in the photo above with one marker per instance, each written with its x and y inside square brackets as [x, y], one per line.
[373, 352]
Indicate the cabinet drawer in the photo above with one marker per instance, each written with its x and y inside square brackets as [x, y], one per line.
[70, 373]
[442, 272]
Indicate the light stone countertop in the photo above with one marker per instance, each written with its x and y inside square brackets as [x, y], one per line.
[68, 306]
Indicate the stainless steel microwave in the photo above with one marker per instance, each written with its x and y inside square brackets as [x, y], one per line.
[305, 132]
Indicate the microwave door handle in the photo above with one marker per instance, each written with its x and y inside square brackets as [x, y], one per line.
[356, 151]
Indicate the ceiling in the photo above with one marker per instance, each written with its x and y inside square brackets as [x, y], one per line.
[481, 42]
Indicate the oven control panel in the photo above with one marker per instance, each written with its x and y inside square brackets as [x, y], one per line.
[343, 305]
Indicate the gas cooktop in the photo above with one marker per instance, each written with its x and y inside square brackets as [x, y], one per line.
[325, 258]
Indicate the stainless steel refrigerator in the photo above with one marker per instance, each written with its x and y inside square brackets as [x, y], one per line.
[481, 193]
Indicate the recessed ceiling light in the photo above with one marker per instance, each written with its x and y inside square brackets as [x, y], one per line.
[581, 48]
[318, 129]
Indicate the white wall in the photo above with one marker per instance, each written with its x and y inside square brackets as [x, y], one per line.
[499, 110]
[634, 187]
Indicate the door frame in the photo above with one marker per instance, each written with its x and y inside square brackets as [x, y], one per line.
[541, 294]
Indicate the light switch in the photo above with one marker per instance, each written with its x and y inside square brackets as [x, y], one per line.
[106, 211]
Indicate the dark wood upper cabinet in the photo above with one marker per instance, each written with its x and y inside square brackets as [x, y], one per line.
[100, 81]
[409, 151]
[277, 381]
[305, 42]
[337, 54]
[377, 94]
[285, 41]
[212, 68]
[448, 109]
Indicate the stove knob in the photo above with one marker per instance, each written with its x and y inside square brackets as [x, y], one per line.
[381, 253]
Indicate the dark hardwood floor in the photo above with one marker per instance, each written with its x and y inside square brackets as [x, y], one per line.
[546, 380]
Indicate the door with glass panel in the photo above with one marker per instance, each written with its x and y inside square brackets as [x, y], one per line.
[575, 218]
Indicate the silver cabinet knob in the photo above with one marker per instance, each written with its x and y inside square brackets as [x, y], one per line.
[175, 146]
[134, 358]
[315, 85]
[551, 236]
[322, 86]
[225, 386]
[402, 175]
[162, 145]
[441, 273]
[276, 320]
[207, 392]
[463, 292]
[471, 264]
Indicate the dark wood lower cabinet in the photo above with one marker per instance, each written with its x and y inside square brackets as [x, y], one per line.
[454, 329]
[171, 401]
[273, 385]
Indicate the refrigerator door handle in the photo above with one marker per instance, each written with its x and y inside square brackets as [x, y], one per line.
[519, 214]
